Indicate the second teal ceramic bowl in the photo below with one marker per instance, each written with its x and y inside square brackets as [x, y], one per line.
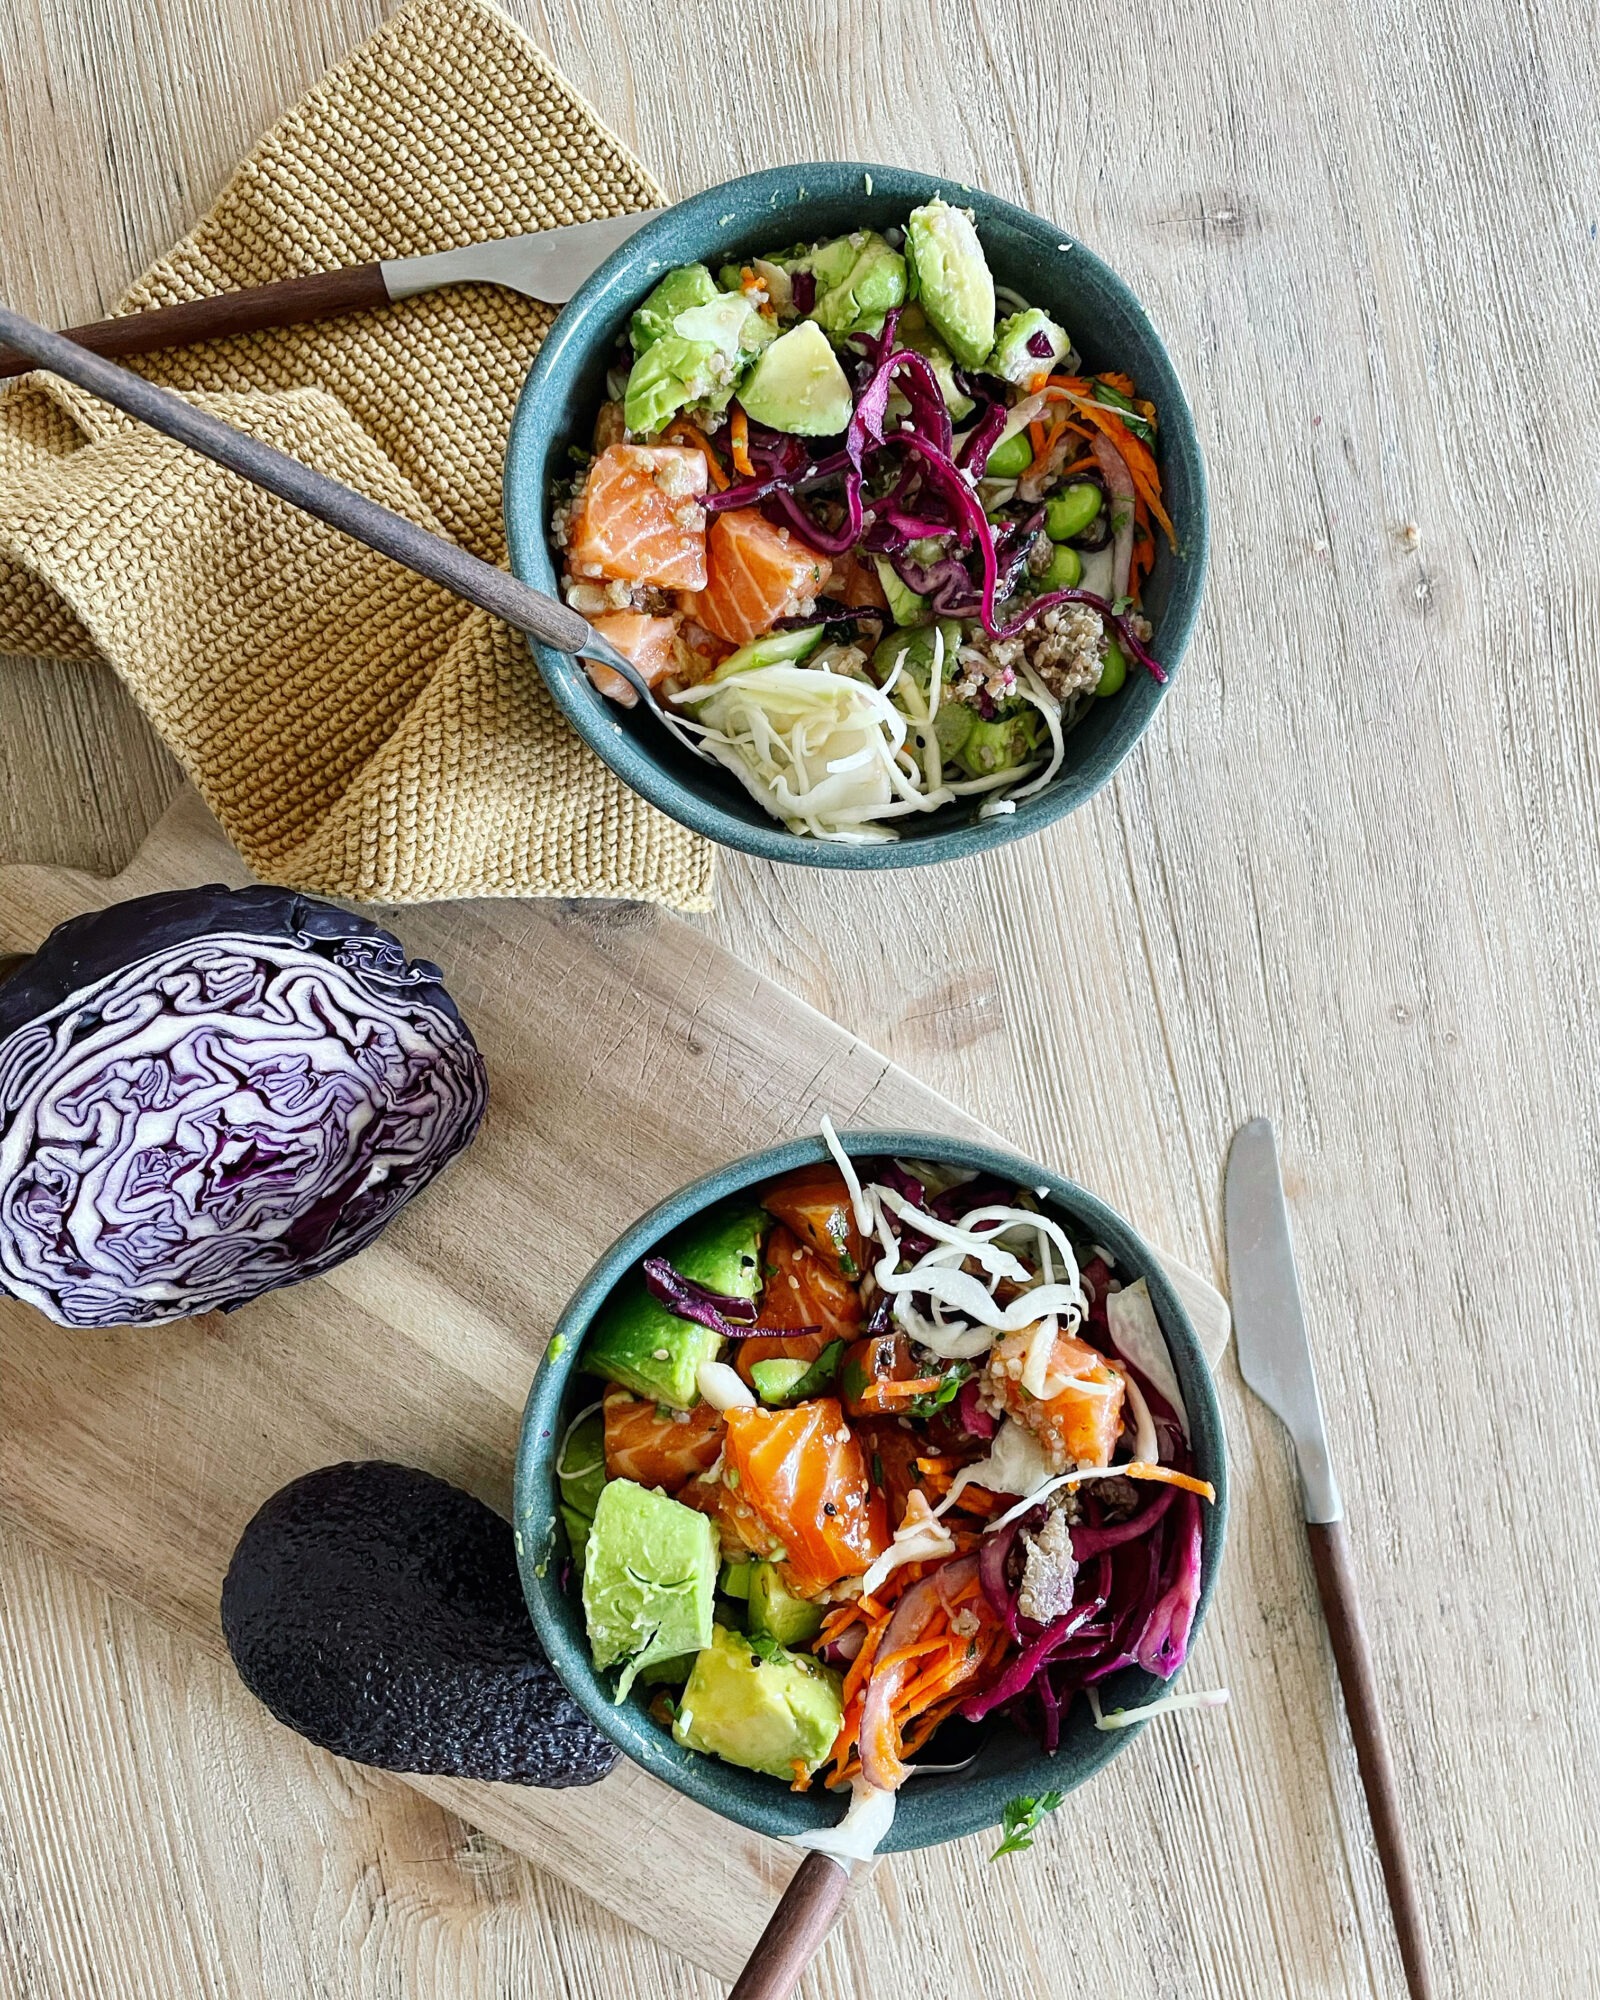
[931, 1809]
[785, 205]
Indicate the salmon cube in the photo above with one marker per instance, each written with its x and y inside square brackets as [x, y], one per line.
[639, 519]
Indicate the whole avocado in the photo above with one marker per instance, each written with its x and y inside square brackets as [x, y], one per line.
[376, 1610]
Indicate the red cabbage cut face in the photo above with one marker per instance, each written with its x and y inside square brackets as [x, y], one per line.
[214, 1093]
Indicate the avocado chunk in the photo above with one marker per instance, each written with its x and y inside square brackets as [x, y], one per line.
[1027, 344]
[953, 280]
[784, 1380]
[753, 1704]
[798, 385]
[650, 1570]
[689, 285]
[696, 360]
[639, 1343]
[735, 1579]
[860, 280]
[906, 606]
[581, 1472]
[913, 331]
[777, 1612]
[668, 1673]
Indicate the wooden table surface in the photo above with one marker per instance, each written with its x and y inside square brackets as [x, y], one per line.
[1349, 881]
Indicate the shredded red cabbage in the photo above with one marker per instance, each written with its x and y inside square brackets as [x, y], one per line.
[731, 1317]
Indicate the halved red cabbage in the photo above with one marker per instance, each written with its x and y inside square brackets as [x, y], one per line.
[214, 1092]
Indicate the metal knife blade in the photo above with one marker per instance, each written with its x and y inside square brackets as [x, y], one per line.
[1268, 1321]
[550, 264]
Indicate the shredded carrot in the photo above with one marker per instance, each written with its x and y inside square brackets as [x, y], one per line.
[739, 446]
[916, 1651]
[681, 431]
[1166, 1476]
[1036, 438]
[1123, 384]
[945, 1463]
[1041, 452]
[880, 1393]
[1088, 463]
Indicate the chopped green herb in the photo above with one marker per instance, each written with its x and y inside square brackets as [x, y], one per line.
[1135, 420]
[877, 1469]
[853, 1381]
[949, 1384]
[1020, 1818]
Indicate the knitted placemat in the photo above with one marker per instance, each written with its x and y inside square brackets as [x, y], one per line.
[357, 731]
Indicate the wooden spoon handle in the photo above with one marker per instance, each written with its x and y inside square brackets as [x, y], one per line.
[288, 303]
[1336, 1584]
[795, 1930]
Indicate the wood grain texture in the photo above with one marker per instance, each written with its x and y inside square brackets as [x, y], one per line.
[1349, 880]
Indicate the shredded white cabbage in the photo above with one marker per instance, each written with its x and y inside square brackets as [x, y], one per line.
[860, 1206]
[1167, 1704]
[1136, 1333]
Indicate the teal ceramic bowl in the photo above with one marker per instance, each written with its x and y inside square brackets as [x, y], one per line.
[934, 1808]
[566, 385]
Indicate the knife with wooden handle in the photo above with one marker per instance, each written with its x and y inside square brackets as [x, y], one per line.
[1275, 1359]
[550, 264]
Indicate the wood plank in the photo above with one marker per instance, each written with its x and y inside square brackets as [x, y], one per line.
[624, 1059]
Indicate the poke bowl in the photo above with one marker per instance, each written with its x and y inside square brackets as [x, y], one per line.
[1060, 1617]
[764, 449]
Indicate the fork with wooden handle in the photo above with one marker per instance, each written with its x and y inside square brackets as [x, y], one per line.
[429, 555]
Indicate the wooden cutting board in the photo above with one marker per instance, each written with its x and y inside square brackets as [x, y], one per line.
[627, 1054]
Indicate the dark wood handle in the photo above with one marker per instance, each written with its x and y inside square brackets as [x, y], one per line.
[290, 303]
[795, 1930]
[1336, 1585]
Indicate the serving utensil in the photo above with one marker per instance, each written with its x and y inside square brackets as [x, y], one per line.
[352, 513]
[549, 264]
[1275, 1359]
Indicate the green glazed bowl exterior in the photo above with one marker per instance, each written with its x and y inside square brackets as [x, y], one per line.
[566, 385]
[931, 1809]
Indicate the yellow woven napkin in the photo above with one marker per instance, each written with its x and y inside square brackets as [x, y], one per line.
[358, 732]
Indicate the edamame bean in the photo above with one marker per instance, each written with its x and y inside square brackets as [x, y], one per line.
[1071, 511]
[1066, 567]
[1113, 671]
[1011, 459]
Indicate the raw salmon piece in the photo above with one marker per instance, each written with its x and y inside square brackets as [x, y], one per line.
[803, 1472]
[815, 1203]
[855, 582]
[656, 1449]
[756, 574]
[740, 1529]
[871, 1366]
[800, 1290]
[638, 518]
[1078, 1421]
[645, 640]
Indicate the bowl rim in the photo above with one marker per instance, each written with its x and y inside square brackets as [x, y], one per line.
[525, 511]
[968, 1807]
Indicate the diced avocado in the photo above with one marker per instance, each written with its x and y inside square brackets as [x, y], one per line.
[953, 280]
[776, 1379]
[1071, 510]
[577, 1526]
[649, 1571]
[696, 359]
[753, 1704]
[1027, 344]
[582, 1466]
[859, 280]
[798, 385]
[1066, 567]
[772, 650]
[784, 1380]
[636, 1341]
[952, 726]
[1011, 457]
[915, 648]
[667, 1673]
[906, 607]
[995, 746]
[689, 285]
[913, 331]
[735, 1579]
[791, 1620]
[1114, 670]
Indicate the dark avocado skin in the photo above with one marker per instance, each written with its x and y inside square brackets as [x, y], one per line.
[376, 1610]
